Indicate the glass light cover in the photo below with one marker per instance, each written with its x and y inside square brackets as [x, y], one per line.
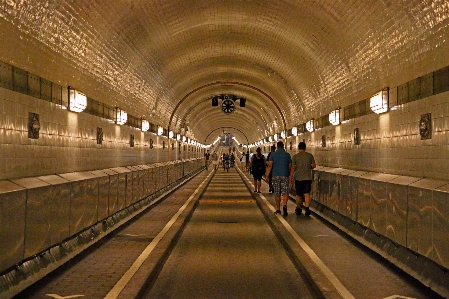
[295, 131]
[145, 125]
[121, 117]
[379, 102]
[309, 126]
[77, 100]
[334, 117]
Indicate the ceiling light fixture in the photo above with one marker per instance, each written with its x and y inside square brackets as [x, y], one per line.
[77, 100]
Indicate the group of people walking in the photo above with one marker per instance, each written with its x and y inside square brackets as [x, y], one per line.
[227, 160]
[287, 171]
[281, 171]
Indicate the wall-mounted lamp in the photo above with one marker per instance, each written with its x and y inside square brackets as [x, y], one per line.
[295, 131]
[283, 134]
[379, 102]
[275, 137]
[121, 117]
[171, 134]
[270, 139]
[160, 130]
[310, 126]
[184, 138]
[334, 117]
[77, 100]
[145, 125]
[178, 136]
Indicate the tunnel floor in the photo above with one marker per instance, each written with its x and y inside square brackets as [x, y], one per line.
[222, 246]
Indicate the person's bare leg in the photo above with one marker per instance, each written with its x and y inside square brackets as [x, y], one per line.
[299, 204]
[307, 203]
[278, 203]
[285, 200]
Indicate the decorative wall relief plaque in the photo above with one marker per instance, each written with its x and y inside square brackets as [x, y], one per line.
[163, 144]
[131, 140]
[99, 135]
[34, 125]
[323, 141]
[356, 136]
[151, 143]
[291, 145]
[425, 126]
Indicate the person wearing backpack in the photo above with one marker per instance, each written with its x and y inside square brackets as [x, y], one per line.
[258, 169]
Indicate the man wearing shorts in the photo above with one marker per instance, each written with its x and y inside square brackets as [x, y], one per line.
[279, 164]
[214, 158]
[301, 174]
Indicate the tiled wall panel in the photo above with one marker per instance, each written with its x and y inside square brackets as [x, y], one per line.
[67, 141]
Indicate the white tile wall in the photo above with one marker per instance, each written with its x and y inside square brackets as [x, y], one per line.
[67, 141]
[390, 142]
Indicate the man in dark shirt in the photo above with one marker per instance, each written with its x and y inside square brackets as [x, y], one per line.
[206, 157]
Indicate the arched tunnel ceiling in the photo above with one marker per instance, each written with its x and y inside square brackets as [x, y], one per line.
[164, 60]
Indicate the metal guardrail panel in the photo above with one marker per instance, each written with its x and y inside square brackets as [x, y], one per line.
[397, 208]
[112, 190]
[419, 220]
[103, 193]
[440, 226]
[48, 213]
[420, 215]
[12, 230]
[121, 186]
[84, 200]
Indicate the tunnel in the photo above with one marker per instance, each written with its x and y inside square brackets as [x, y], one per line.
[107, 105]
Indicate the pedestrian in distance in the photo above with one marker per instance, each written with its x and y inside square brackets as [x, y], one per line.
[270, 184]
[247, 168]
[301, 174]
[214, 158]
[279, 165]
[206, 158]
[258, 168]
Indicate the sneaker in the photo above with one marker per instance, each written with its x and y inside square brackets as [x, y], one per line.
[255, 191]
[277, 212]
[307, 211]
[259, 191]
[285, 210]
[298, 211]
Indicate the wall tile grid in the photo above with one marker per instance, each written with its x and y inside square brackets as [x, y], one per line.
[390, 142]
[67, 141]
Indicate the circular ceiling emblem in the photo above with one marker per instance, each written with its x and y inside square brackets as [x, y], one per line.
[228, 106]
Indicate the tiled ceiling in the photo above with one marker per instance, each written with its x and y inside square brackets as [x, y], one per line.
[164, 60]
